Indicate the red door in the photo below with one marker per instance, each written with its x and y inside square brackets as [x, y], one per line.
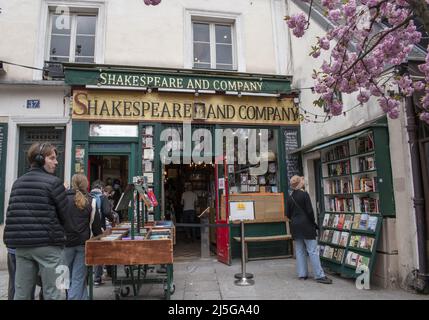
[222, 212]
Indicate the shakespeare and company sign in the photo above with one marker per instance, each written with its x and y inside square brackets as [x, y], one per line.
[177, 80]
[100, 105]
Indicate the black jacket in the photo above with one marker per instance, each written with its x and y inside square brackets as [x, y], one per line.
[37, 211]
[81, 219]
[302, 223]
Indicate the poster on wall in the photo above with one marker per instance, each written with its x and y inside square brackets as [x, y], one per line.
[242, 210]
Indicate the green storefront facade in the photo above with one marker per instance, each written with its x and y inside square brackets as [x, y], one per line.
[160, 99]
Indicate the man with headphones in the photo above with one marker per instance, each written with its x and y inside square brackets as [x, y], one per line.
[36, 222]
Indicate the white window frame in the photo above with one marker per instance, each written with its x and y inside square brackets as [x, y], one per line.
[237, 37]
[44, 33]
[73, 35]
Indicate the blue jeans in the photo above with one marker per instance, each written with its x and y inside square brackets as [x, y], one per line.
[302, 247]
[75, 259]
[189, 217]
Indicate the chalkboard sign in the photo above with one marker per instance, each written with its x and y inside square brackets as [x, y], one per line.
[292, 160]
[3, 140]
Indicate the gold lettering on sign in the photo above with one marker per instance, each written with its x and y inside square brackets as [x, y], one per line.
[113, 106]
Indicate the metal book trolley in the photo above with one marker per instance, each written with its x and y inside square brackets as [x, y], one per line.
[136, 245]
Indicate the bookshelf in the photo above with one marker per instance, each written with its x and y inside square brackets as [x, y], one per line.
[357, 192]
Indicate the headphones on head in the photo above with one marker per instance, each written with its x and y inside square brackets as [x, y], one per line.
[40, 159]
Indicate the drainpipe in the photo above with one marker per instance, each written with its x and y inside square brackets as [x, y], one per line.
[418, 199]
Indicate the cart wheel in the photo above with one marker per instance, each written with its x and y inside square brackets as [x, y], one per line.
[172, 289]
[126, 293]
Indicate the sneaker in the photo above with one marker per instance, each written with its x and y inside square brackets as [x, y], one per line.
[98, 283]
[324, 280]
[303, 278]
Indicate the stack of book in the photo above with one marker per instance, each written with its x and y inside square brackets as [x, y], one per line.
[370, 205]
[341, 204]
[339, 168]
[366, 163]
[338, 152]
[365, 184]
[356, 260]
[340, 186]
[362, 242]
[365, 143]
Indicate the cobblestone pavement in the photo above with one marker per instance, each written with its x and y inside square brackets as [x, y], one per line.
[207, 279]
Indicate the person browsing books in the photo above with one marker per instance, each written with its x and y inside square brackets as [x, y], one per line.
[303, 228]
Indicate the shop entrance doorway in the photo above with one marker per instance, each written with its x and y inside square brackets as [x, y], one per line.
[179, 181]
[113, 171]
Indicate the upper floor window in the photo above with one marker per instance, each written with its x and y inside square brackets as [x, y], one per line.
[74, 41]
[213, 46]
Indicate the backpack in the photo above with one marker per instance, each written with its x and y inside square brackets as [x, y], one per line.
[97, 197]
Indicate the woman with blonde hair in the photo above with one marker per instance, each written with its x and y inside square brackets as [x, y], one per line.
[303, 228]
[81, 209]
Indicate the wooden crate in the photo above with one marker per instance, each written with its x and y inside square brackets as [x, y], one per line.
[128, 252]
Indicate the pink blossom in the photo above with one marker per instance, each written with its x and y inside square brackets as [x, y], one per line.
[336, 108]
[418, 85]
[363, 96]
[152, 2]
[324, 43]
[334, 15]
[424, 116]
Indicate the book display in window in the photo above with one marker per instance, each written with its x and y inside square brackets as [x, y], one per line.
[148, 153]
[357, 195]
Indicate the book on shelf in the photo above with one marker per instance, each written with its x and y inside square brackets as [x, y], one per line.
[365, 143]
[341, 204]
[348, 222]
[338, 254]
[370, 205]
[331, 220]
[372, 223]
[352, 258]
[364, 184]
[344, 238]
[366, 163]
[336, 237]
[337, 152]
[325, 236]
[362, 261]
[335, 222]
[339, 186]
[339, 168]
[325, 220]
[355, 241]
[363, 223]
[341, 220]
[330, 236]
[356, 221]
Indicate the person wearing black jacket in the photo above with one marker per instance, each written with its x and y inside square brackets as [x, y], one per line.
[303, 228]
[36, 221]
[82, 210]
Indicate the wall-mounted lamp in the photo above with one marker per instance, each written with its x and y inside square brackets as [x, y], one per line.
[149, 90]
[196, 93]
[239, 94]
